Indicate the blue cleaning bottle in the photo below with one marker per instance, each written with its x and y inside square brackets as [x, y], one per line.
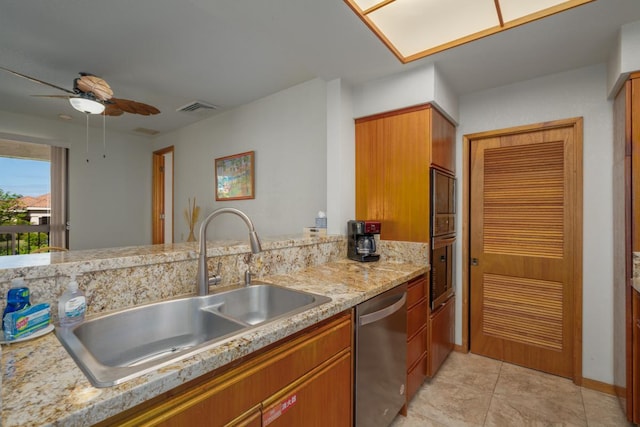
[17, 297]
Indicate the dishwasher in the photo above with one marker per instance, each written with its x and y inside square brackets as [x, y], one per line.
[380, 358]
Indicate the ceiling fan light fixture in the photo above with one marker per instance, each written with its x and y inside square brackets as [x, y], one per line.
[88, 106]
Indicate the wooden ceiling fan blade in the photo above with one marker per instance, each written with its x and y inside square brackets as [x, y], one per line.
[134, 107]
[88, 83]
[33, 79]
[112, 110]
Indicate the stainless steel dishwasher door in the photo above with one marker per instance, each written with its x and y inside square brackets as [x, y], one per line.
[381, 358]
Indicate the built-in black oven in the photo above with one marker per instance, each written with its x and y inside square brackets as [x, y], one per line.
[443, 204]
[442, 268]
[443, 236]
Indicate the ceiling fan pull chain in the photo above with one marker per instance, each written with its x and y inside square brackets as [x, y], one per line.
[87, 135]
[104, 135]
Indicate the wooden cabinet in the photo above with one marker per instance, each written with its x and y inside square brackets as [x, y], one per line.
[635, 362]
[393, 157]
[627, 242]
[306, 380]
[394, 153]
[441, 335]
[443, 147]
[417, 316]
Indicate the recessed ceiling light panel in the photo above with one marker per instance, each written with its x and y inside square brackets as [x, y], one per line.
[413, 29]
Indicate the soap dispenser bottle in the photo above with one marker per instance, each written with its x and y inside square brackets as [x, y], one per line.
[72, 304]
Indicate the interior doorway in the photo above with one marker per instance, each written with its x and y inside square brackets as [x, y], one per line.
[522, 267]
[162, 196]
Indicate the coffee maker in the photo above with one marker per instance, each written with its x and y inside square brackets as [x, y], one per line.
[361, 243]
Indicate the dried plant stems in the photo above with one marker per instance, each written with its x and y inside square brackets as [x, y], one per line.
[191, 214]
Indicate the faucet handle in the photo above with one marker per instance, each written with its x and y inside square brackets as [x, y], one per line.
[216, 278]
[247, 277]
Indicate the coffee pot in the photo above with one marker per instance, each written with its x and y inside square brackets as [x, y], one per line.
[361, 242]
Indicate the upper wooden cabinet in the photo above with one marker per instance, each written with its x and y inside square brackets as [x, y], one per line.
[443, 147]
[394, 151]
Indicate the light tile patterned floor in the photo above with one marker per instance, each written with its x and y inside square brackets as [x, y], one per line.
[471, 390]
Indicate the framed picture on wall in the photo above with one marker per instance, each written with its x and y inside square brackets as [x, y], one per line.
[235, 177]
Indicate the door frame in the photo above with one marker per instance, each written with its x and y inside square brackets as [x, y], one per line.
[577, 124]
[158, 196]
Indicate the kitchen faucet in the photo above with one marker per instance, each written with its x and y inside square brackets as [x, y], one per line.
[202, 279]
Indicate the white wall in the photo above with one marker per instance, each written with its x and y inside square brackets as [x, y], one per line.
[288, 132]
[109, 198]
[581, 92]
[413, 87]
[341, 155]
[624, 57]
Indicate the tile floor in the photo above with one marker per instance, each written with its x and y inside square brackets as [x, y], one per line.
[471, 390]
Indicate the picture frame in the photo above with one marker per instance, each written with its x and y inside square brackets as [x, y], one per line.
[235, 178]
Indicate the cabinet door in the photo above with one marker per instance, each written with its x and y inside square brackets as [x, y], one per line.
[441, 335]
[323, 399]
[635, 363]
[392, 173]
[443, 142]
[369, 170]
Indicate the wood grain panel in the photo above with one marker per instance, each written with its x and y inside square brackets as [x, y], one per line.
[523, 310]
[441, 335]
[393, 156]
[443, 147]
[526, 222]
[524, 200]
[406, 177]
[369, 179]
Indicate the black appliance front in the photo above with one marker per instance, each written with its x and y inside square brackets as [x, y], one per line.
[443, 203]
[442, 268]
[443, 236]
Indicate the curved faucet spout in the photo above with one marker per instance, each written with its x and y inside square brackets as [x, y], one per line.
[202, 279]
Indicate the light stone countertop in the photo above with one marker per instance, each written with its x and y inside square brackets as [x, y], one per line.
[41, 384]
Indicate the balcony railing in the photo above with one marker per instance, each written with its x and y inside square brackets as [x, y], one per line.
[22, 239]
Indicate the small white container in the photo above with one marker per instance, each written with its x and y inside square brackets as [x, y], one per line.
[72, 304]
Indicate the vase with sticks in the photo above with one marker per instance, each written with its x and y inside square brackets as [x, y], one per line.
[191, 214]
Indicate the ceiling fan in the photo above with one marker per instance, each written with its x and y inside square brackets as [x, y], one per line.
[93, 95]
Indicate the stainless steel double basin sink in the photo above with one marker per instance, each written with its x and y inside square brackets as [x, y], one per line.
[122, 345]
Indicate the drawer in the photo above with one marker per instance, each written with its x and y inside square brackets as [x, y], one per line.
[416, 377]
[416, 347]
[416, 318]
[417, 289]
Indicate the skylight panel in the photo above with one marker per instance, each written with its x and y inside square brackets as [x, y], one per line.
[413, 29]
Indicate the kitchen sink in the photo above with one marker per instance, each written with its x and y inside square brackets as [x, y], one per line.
[261, 303]
[116, 347]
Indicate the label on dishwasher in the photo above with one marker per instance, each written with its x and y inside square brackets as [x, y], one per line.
[272, 414]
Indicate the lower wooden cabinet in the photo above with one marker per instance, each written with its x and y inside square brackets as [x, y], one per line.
[417, 316]
[634, 382]
[441, 335]
[306, 380]
[316, 401]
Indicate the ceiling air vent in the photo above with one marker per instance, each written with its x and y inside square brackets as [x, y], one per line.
[197, 107]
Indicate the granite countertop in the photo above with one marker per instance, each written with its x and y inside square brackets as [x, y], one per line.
[41, 384]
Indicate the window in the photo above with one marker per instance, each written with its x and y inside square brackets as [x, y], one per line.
[33, 181]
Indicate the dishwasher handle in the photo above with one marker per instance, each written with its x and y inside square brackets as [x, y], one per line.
[365, 319]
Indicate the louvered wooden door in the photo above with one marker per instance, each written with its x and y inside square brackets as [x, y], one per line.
[523, 237]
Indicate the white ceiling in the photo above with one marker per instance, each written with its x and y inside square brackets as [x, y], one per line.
[230, 52]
